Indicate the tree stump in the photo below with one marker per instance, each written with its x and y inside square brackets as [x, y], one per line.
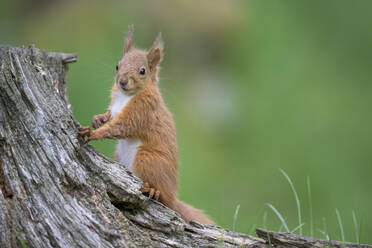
[56, 191]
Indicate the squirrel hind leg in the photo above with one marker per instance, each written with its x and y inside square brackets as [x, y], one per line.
[189, 213]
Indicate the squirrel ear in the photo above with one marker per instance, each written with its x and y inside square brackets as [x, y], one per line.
[128, 42]
[158, 41]
[155, 54]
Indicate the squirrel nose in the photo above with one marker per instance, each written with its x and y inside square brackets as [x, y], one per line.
[123, 82]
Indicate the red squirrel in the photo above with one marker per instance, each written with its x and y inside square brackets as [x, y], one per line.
[145, 128]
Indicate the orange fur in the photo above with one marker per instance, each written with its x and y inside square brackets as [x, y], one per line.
[145, 117]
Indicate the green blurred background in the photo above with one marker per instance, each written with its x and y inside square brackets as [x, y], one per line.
[253, 86]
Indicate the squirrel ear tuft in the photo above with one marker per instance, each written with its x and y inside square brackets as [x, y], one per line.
[128, 42]
[158, 41]
[155, 54]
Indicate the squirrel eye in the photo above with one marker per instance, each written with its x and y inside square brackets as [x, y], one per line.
[142, 71]
[117, 67]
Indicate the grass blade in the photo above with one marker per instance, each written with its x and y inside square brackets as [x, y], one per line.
[280, 228]
[340, 224]
[310, 207]
[296, 197]
[324, 233]
[264, 220]
[298, 227]
[269, 239]
[256, 220]
[324, 224]
[251, 230]
[355, 227]
[235, 216]
[279, 216]
[360, 232]
[330, 243]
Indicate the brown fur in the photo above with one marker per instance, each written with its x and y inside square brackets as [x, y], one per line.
[146, 117]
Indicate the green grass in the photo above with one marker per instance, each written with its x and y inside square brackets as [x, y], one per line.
[360, 231]
[340, 225]
[326, 236]
[252, 229]
[324, 231]
[355, 227]
[235, 217]
[254, 223]
[296, 197]
[269, 240]
[264, 220]
[282, 220]
[310, 207]
[297, 227]
[284, 225]
[324, 223]
[330, 242]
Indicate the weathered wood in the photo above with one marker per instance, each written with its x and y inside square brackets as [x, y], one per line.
[56, 191]
[283, 239]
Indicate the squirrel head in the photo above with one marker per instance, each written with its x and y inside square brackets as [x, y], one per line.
[138, 68]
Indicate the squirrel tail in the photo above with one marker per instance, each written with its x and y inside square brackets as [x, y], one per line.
[189, 213]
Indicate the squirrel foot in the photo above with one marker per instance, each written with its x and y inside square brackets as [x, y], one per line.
[84, 132]
[99, 120]
[152, 192]
[87, 132]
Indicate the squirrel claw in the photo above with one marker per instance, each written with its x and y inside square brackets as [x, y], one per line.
[157, 195]
[99, 120]
[152, 192]
[84, 132]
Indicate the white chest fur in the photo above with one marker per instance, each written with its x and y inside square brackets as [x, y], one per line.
[120, 100]
[127, 148]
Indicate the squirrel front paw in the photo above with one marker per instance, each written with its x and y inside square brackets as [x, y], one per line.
[99, 120]
[151, 192]
[85, 132]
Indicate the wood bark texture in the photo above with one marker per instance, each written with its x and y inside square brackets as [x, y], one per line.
[282, 239]
[56, 191]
